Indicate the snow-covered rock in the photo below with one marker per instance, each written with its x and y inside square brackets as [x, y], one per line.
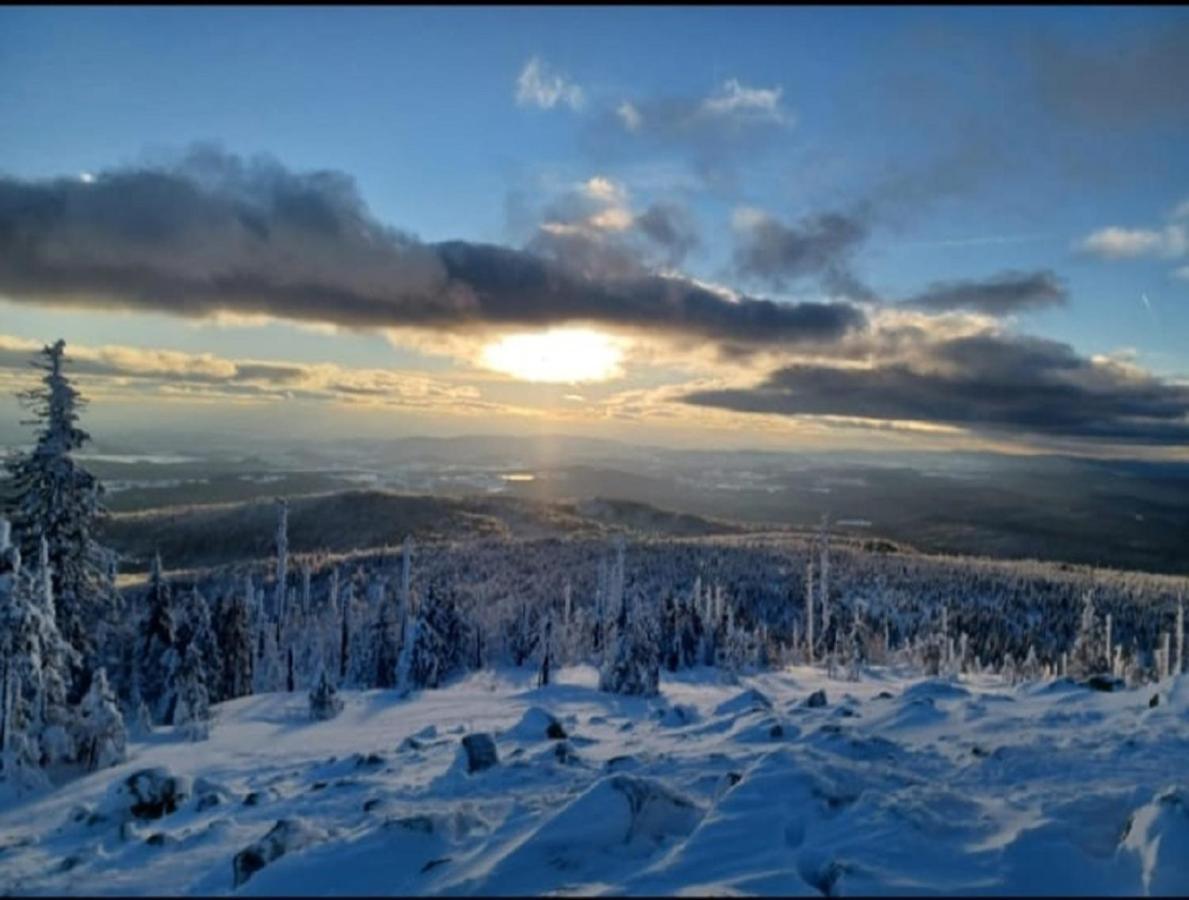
[149, 793]
[286, 836]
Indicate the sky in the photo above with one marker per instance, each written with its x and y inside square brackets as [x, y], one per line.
[771, 227]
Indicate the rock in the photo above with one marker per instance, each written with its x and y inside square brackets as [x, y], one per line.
[535, 725]
[776, 731]
[434, 863]
[816, 700]
[160, 839]
[286, 836]
[1154, 702]
[153, 793]
[372, 759]
[617, 763]
[209, 793]
[884, 695]
[1106, 683]
[678, 715]
[480, 751]
[747, 701]
[564, 754]
[373, 803]
[253, 798]
[420, 824]
[318, 785]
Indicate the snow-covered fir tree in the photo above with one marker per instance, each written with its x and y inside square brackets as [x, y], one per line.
[157, 641]
[633, 664]
[49, 495]
[281, 582]
[325, 702]
[234, 633]
[191, 712]
[34, 661]
[436, 642]
[194, 629]
[545, 650]
[100, 737]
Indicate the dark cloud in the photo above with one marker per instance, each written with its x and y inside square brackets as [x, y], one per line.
[1139, 77]
[816, 247]
[214, 232]
[538, 290]
[671, 228]
[988, 383]
[1000, 295]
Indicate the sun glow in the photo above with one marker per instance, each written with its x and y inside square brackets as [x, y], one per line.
[565, 355]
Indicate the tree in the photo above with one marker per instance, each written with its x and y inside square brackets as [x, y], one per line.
[100, 738]
[34, 658]
[633, 665]
[192, 710]
[325, 702]
[157, 643]
[50, 496]
[434, 644]
[234, 632]
[194, 628]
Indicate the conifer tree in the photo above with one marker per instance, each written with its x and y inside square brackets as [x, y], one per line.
[234, 634]
[49, 495]
[157, 642]
[325, 703]
[101, 738]
[191, 710]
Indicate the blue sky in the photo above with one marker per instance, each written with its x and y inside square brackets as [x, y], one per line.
[964, 138]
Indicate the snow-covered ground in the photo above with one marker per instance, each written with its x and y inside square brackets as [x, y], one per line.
[897, 786]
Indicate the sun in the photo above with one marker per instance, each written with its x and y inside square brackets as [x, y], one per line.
[563, 355]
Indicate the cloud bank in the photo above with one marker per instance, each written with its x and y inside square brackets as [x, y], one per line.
[216, 233]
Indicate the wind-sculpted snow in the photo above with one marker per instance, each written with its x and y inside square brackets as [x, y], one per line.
[897, 785]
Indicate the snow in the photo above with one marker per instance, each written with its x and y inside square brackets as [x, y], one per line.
[897, 785]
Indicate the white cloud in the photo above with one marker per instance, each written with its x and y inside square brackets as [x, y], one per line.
[1182, 210]
[1131, 243]
[734, 98]
[1181, 273]
[630, 116]
[538, 85]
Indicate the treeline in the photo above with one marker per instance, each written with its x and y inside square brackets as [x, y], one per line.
[84, 664]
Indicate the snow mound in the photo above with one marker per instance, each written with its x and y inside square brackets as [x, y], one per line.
[617, 816]
[747, 701]
[679, 715]
[1159, 834]
[935, 689]
[536, 725]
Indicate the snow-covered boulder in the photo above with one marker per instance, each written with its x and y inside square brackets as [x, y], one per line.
[480, 752]
[536, 725]
[678, 715]
[1159, 834]
[149, 793]
[816, 700]
[1106, 683]
[747, 701]
[286, 836]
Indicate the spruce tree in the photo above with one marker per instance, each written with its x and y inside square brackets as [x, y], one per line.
[191, 709]
[48, 494]
[101, 738]
[234, 633]
[157, 642]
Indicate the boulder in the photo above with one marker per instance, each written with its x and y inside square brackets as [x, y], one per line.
[1106, 683]
[816, 700]
[152, 793]
[286, 836]
[480, 752]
